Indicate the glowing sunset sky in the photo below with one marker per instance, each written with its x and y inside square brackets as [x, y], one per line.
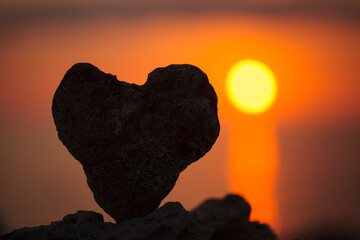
[312, 49]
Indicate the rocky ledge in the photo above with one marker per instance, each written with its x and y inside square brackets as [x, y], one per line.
[215, 219]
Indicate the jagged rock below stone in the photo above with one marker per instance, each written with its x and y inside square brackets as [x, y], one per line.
[133, 141]
[225, 219]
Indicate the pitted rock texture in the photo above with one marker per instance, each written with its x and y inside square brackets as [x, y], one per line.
[216, 219]
[133, 141]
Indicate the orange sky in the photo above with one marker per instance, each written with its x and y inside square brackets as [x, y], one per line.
[315, 62]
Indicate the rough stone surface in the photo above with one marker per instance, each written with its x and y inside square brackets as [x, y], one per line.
[133, 141]
[226, 219]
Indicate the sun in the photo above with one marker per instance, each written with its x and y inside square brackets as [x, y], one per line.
[251, 86]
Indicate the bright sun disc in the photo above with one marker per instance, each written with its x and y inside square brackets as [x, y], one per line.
[251, 86]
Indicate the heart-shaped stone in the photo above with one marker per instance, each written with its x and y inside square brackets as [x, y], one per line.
[133, 141]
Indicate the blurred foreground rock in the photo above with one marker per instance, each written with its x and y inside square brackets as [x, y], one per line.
[133, 141]
[215, 219]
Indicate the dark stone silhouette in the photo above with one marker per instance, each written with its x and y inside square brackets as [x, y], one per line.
[133, 141]
[225, 219]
